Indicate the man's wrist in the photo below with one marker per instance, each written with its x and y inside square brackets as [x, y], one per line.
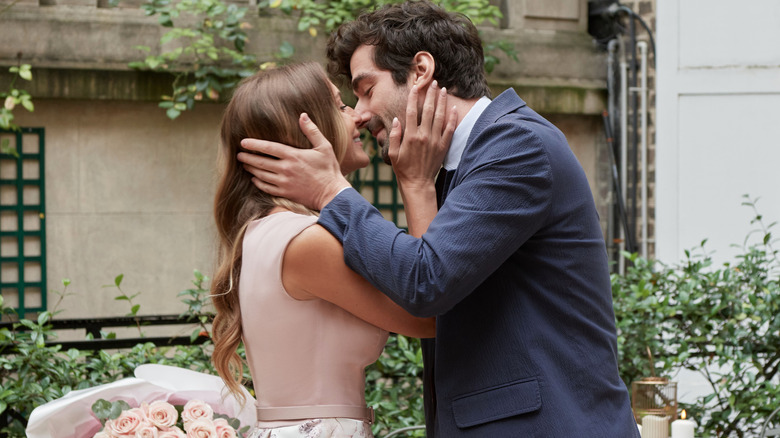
[417, 188]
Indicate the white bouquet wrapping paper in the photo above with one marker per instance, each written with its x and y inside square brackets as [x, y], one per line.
[71, 415]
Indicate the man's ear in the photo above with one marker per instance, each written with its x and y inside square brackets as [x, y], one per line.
[422, 70]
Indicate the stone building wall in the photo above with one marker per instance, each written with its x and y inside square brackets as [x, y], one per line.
[130, 192]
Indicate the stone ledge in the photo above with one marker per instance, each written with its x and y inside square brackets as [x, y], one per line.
[544, 96]
[105, 39]
[558, 98]
[82, 53]
[93, 84]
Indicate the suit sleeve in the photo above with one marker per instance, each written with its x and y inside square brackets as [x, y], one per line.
[497, 202]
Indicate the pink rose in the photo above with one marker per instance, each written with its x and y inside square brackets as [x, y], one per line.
[224, 429]
[146, 430]
[201, 428]
[101, 434]
[196, 409]
[161, 414]
[172, 432]
[126, 424]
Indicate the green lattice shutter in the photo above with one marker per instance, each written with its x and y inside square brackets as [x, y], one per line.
[22, 222]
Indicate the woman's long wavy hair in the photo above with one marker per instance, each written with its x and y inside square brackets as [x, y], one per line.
[265, 106]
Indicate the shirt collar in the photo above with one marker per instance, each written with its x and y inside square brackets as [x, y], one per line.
[462, 132]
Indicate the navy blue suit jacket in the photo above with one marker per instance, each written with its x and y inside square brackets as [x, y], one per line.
[514, 266]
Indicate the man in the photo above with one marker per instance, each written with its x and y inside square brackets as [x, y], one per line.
[514, 264]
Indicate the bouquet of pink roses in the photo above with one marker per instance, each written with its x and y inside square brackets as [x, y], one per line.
[84, 412]
[160, 419]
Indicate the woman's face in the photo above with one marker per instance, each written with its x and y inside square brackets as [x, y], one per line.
[354, 156]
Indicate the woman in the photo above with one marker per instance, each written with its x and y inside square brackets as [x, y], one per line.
[309, 324]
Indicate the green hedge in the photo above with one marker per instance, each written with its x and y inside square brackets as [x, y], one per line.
[722, 322]
[36, 373]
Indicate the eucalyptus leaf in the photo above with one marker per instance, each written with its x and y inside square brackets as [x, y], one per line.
[102, 409]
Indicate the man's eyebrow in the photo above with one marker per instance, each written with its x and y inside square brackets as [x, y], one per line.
[358, 79]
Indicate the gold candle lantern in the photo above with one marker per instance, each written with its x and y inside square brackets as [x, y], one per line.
[654, 396]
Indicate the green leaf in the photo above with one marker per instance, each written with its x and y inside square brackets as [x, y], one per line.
[153, 62]
[118, 279]
[25, 73]
[6, 148]
[169, 36]
[43, 318]
[27, 103]
[117, 407]
[286, 50]
[173, 113]
[102, 409]
[165, 20]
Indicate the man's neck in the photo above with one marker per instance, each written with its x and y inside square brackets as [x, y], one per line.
[462, 106]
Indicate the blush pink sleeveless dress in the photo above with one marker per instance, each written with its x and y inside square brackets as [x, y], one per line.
[307, 357]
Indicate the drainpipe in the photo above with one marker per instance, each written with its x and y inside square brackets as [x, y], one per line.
[623, 146]
[642, 46]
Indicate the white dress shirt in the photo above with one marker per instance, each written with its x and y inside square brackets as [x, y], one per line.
[462, 132]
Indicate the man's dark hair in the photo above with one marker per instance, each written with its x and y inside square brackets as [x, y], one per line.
[398, 32]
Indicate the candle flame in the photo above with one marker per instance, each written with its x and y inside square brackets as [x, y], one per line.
[682, 415]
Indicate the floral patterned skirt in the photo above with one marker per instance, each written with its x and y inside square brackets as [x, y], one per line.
[318, 428]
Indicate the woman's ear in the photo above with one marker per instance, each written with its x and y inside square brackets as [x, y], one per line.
[422, 70]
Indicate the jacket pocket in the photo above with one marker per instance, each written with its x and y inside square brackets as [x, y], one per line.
[507, 400]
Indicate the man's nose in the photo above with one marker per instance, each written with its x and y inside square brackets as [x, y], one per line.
[362, 116]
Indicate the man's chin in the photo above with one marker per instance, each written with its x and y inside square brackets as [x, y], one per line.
[385, 154]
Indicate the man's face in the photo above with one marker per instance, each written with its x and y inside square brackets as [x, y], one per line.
[380, 99]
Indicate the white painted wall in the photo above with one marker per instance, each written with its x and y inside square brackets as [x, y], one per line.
[718, 122]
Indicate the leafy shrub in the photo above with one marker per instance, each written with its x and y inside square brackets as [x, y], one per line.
[722, 322]
[36, 373]
[394, 386]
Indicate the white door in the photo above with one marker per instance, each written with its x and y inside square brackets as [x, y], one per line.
[718, 122]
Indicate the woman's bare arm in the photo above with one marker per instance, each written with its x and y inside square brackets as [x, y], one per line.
[314, 267]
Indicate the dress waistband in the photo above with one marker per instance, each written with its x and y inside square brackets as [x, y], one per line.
[323, 411]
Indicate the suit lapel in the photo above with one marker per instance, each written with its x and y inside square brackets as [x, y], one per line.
[505, 103]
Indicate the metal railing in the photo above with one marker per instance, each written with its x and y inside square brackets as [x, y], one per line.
[95, 326]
